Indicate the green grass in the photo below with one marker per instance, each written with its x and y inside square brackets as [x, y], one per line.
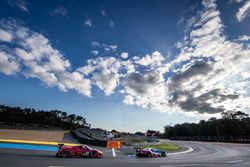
[136, 140]
[163, 146]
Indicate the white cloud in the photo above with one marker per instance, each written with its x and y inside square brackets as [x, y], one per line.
[106, 81]
[37, 71]
[110, 48]
[86, 70]
[212, 84]
[113, 47]
[21, 4]
[205, 80]
[95, 44]
[243, 11]
[154, 60]
[103, 12]
[75, 81]
[210, 75]
[94, 52]
[243, 38]
[124, 55]
[104, 47]
[39, 59]
[147, 90]
[8, 64]
[88, 22]
[23, 54]
[111, 23]
[238, 1]
[61, 10]
[5, 36]
[128, 99]
[105, 73]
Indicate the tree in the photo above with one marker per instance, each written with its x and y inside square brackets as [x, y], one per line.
[53, 118]
[72, 118]
[240, 115]
[234, 115]
[234, 126]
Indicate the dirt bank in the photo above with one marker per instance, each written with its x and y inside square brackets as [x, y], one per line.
[38, 135]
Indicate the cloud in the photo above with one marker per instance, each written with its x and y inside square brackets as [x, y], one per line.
[95, 44]
[243, 38]
[108, 73]
[243, 11]
[124, 55]
[94, 52]
[147, 90]
[151, 60]
[5, 36]
[103, 12]
[210, 74]
[197, 104]
[111, 23]
[140, 83]
[104, 47]
[21, 4]
[203, 79]
[110, 48]
[238, 1]
[104, 73]
[32, 55]
[60, 11]
[211, 84]
[88, 22]
[106, 81]
[8, 64]
[75, 81]
[196, 67]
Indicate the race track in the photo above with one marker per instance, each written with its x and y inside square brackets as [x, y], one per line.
[201, 154]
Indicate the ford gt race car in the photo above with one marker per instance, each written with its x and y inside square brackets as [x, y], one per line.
[150, 152]
[80, 151]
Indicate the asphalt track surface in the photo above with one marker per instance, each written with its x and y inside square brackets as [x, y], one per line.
[201, 154]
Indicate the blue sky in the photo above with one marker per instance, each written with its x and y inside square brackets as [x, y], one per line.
[126, 65]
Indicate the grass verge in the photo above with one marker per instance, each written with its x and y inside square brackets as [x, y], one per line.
[163, 146]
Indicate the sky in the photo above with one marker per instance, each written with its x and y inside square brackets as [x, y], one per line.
[126, 65]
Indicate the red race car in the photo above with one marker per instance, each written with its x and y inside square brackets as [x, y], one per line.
[81, 150]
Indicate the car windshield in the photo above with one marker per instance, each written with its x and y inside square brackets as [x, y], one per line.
[154, 150]
[86, 147]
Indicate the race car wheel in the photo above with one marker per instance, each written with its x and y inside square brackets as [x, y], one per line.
[65, 154]
[93, 154]
[163, 154]
[149, 155]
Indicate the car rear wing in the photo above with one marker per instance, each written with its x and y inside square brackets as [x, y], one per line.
[60, 145]
[137, 148]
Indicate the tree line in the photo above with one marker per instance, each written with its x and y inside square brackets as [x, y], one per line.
[41, 118]
[231, 127]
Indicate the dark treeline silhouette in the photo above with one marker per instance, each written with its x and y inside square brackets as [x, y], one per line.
[232, 127]
[41, 118]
